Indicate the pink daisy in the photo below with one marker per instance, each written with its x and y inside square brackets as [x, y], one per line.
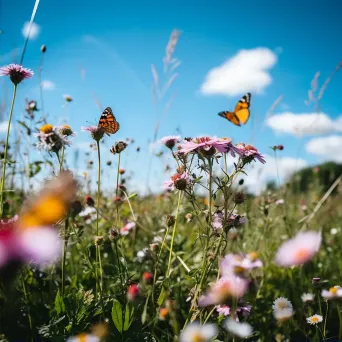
[96, 132]
[16, 73]
[239, 264]
[223, 310]
[170, 141]
[127, 228]
[249, 153]
[178, 181]
[299, 250]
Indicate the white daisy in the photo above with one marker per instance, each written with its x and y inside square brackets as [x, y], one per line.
[241, 330]
[283, 315]
[307, 297]
[315, 319]
[195, 332]
[281, 303]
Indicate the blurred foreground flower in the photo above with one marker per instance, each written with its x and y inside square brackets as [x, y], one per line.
[98, 332]
[32, 237]
[333, 293]
[282, 309]
[299, 250]
[241, 330]
[239, 265]
[195, 332]
[16, 73]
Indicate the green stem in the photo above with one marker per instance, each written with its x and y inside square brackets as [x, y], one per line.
[27, 304]
[2, 189]
[325, 322]
[117, 189]
[61, 161]
[65, 246]
[340, 321]
[173, 235]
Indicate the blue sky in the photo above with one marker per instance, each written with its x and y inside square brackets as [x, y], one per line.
[115, 44]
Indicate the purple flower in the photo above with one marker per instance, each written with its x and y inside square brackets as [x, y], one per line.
[16, 73]
[207, 146]
[178, 181]
[127, 228]
[223, 309]
[239, 265]
[170, 141]
[249, 153]
[96, 132]
[232, 221]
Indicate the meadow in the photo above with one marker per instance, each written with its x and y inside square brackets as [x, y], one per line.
[201, 260]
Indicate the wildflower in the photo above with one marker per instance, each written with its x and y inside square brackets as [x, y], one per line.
[279, 201]
[51, 139]
[113, 233]
[66, 130]
[307, 297]
[223, 310]
[121, 171]
[195, 332]
[223, 289]
[280, 147]
[233, 221]
[67, 98]
[281, 303]
[43, 48]
[283, 315]
[239, 197]
[31, 106]
[316, 280]
[241, 330]
[83, 337]
[188, 217]
[147, 277]
[98, 240]
[170, 141]
[299, 250]
[132, 292]
[163, 314]
[178, 181]
[238, 264]
[138, 149]
[315, 319]
[118, 147]
[333, 293]
[96, 132]
[89, 213]
[249, 153]
[16, 73]
[109, 163]
[118, 200]
[207, 146]
[89, 201]
[127, 228]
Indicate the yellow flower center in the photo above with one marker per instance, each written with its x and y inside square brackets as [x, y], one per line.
[253, 256]
[66, 126]
[48, 128]
[314, 319]
[239, 269]
[302, 255]
[333, 290]
[198, 338]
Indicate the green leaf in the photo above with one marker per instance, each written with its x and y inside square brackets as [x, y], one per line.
[132, 196]
[129, 316]
[161, 297]
[59, 304]
[117, 315]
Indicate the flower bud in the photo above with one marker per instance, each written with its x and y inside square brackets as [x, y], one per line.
[89, 201]
[118, 147]
[170, 220]
[239, 197]
[113, 233]
[43, 48]
[147, 278]
[132, 292]
[98, 240]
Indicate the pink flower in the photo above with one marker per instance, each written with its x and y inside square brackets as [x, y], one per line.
[178, 181]
[16, 73]
[127, 228]
[299, 250]
[223, 289]
[96, 132]
[208, 146]
[249, 153]
[232, 221]
[132, 292]
[170, 141]
[239, 265]
[223, 310]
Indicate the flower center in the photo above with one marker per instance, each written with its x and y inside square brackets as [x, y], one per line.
[314, 319]
[48, 128]
[197, 337]
[253, 256]
[333, 290]
[301, 255]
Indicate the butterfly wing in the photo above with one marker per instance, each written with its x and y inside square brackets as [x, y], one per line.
[108, 122]
[231, 116]
[242, 109]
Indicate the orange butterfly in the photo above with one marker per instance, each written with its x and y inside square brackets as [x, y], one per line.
[241, 112]
[108, 122]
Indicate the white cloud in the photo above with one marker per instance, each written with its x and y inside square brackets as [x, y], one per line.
[35, 29]
[48, 85]
[329, 148]
[3, 127]
[259, 174]
[247, 71]
[304, 123]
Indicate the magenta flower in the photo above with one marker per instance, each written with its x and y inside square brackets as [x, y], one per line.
[249, 153]
[239, 265]
[223, 310]
[16, 73]
[232, 221]
[170, 141]
[178, 181]
[208, 146]
[96, 132]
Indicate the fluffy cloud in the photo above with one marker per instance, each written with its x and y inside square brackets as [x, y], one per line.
[48, 85]
[247, 71]
[328, 148]
[3, 126]
[35, 29]
[303, 124]
[260, 174]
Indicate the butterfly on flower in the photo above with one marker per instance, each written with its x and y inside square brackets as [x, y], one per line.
[108, 122]
[241, 113]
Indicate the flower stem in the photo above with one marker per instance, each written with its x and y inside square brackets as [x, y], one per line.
[173, 235]
[340, 321]
[117, 189]
[2, 189]
[65, 246]
[325, 322]
[27, 303]
[61, 161]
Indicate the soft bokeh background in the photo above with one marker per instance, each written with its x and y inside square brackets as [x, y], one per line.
[101, 54]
